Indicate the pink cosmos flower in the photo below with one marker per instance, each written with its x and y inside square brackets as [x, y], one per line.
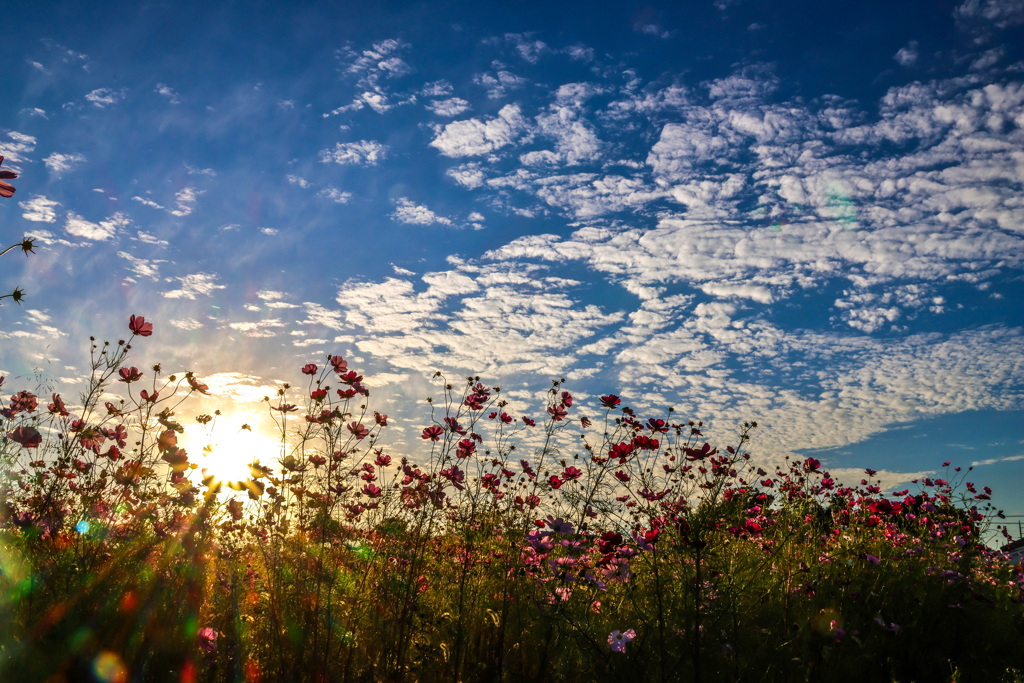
[619, 640]
[208, 640]
[309, 369]
[380, 418]
[197, 385]
[433, 433]
[58, 407]
[131, 374]
[557, 412]
[139, 326]
[610, 401]
[28, 437]
[339, 364]
[358, 430]
[6, 189]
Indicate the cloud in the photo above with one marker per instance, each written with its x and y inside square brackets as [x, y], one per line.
[450, 107]
[141, 267]
[368, 152]
[408, 212]
[298, 180]
[104, 97]
[194, 285]
[473, 137]
[59, 163]
[907, 56]
[102, 231]
[269, 231]
[185, 200]
[529, 48]
[168, 92]
[441, 88]
[20, 145]
[147, 202]
[335, 195]
[500, 83]
[39, 209]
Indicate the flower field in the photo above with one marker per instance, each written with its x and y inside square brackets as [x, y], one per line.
[623, 547]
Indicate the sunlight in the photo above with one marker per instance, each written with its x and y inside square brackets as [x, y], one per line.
[227, 450]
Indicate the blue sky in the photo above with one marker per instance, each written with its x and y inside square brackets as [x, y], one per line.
[806, 214]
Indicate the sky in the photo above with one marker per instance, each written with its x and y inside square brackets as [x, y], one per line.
[805, 214]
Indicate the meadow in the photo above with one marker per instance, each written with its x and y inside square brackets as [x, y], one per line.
[623, 548]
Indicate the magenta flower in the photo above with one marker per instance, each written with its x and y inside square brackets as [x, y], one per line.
[358, 430]
[6, 189]
[618, 640]
[610, 401]
[129, 374]
[28, 437]
[433, 433]
[208, 640]
[309, 369]
[140, 327]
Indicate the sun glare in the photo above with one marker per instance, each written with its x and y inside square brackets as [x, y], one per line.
[228, 451]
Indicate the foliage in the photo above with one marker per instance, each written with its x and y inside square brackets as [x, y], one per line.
[646, 554]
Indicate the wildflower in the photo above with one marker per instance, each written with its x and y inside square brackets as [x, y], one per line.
[618, 640]
[528, 422]
[139, 326]
[567, 399]
[585, 421]
[557, 412]
[380, 418]
[433, 433]
[6, 189]
[309, 369]
[58, 407]
[208, 640]
[145, 396]
[358, 430]
[610, 401]
[339, 364]
[128, 375]
[197, 385]
[559, 525]
[28, 437]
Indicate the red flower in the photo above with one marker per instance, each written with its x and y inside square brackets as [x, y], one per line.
[433, 433]
[528, 422]
[339, 364]
[197, 385]
[380, 418]
[566, 399]
[371, 491]
[465, 448]
[140, 327]
[358, 430]
[144, 395]
[130, 374]
[58, 407]
[28, 437]
[6, 189]
[555, 482]
[308, 369]
[557, 412]
[610, 401]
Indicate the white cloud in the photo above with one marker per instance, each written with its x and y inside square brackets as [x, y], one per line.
[185, 201]
[298, 180]
[907, 56]
[147, 202]
[408, 212]
[196, 284]
[269, 231]
[500, 83]
[335, 195]
[473, 137]
[450, 107]
[368, 152]
[20, 145]
[104, 97]
[440, 88]
[104, 230]
[141, 267]
[168, 92]
[39, 209]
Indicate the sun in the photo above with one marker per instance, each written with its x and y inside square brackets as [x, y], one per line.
[228, 450]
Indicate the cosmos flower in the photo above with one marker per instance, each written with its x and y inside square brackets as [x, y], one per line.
[619, 640]
[6, 189]
[139, 326]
